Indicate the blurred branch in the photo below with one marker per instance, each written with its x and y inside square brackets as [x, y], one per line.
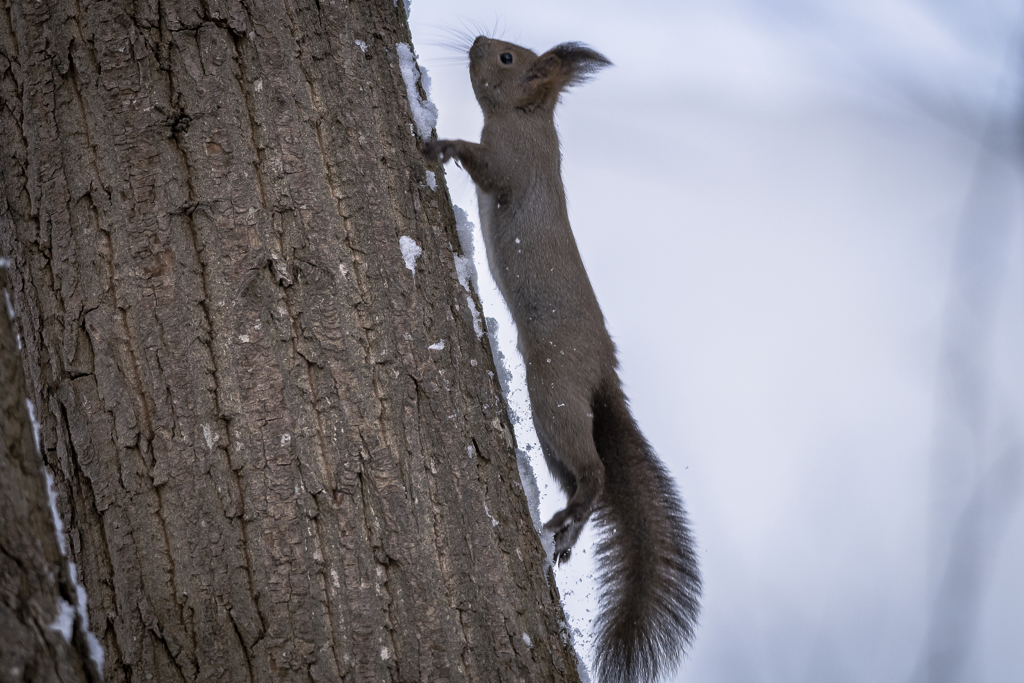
[976, 539]
[977, 463]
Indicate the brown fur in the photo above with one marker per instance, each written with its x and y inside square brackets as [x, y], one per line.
[650, 581]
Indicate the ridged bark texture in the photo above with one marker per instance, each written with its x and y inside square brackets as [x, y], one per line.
[266, 472]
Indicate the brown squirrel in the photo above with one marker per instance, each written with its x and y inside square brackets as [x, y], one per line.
[592, 445]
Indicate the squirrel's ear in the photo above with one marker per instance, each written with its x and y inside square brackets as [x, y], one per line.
[544, 68]
[540, 81]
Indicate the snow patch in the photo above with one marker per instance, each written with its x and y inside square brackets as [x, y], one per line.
[58, 523]
[494, 522]
[431, 180]
[208, 436]
[424, 112]
[437, 347]
[10, 306]
[464, 228]
[362, 45]
[410, 252]
[465, 267]
[35, 423]
[463, 270]
[64, 622]
[478, 324]
[96, 653]
[526, 639]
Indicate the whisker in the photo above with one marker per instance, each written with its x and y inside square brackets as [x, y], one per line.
[474, 26]
[449, 62]
[452, 38]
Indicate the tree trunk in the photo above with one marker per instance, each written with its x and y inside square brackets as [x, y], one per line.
[38, 638]
[270, 466]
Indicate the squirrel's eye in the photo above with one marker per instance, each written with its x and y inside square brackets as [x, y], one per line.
[506, 57]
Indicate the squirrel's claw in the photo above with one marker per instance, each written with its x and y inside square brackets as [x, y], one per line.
[567, 529]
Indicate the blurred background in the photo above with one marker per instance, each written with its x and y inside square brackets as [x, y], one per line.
[805, 222]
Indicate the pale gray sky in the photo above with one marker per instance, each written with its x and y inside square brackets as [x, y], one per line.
[805, 224]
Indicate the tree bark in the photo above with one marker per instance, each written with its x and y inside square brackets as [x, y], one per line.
[269, 466]
[38, 638]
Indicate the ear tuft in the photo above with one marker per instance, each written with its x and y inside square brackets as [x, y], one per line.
[558, 69]
[578, 63]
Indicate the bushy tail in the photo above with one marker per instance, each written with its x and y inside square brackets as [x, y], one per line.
[650, 581]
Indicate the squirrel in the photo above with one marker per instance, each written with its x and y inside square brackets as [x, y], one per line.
[650, 583]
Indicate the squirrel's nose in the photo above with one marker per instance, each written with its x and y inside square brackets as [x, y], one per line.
[479, 47]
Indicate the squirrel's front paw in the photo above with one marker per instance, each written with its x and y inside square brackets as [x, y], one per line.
[438, 150]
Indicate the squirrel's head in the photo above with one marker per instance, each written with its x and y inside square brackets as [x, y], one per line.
[506, 76]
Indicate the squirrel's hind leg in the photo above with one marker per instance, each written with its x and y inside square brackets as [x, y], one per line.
[565, 430]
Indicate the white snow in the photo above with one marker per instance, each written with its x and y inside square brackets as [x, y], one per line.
[10, 306]
[526, 639]
[64, 621]
[465, 268]
[51, 494]
[5, 263]
[424, 112]
[494, 522]
[437, 346]
[410, 252]
[478, 325]
[362, 45]
[58, 523]
[96, 653]
[35, 423]
[464, 227]
[431, 180]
